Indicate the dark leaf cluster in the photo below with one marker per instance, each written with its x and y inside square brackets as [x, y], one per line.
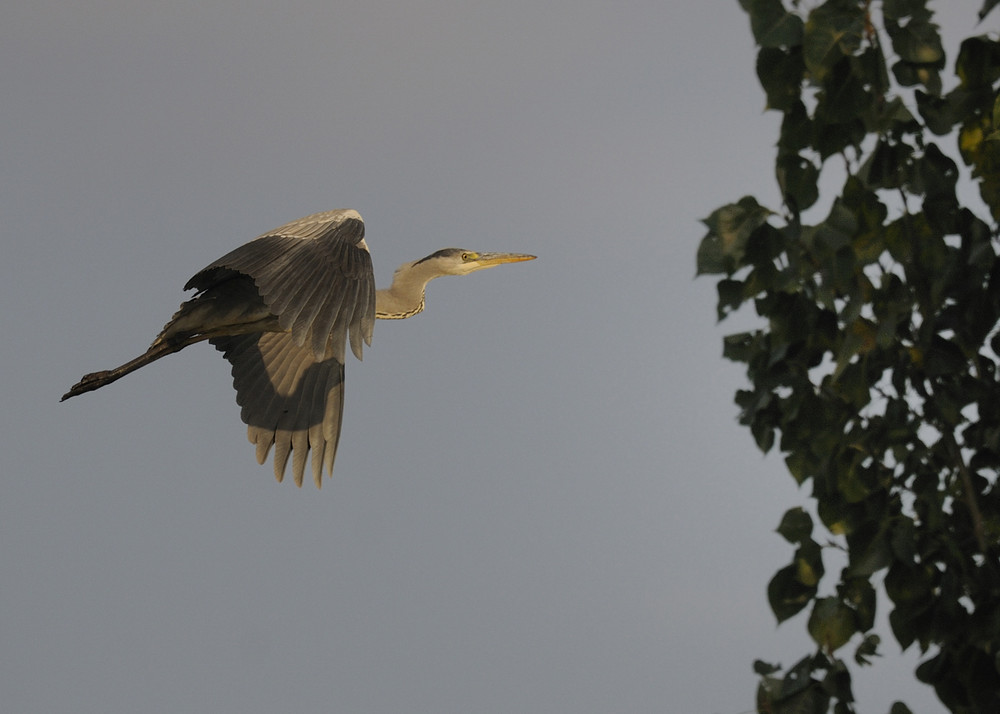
[876, 372]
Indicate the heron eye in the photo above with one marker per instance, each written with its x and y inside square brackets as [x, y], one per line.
[468, 256]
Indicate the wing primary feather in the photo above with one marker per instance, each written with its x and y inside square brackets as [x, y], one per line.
[318, 446]
[263, 439]
[300, 454]
[291, 421]
[282, 448]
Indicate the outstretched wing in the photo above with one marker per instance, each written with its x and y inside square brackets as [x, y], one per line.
[315, 274]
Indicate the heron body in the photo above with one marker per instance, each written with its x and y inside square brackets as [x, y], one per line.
[282, 309]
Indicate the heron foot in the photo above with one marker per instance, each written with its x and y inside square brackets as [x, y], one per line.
[88, 383]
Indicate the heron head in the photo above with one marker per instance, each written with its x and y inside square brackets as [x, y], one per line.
[457, 261]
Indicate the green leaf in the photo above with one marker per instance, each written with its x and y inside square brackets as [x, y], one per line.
[799, 465]
[799, 680]
[870, 552]
[856, 481]
[837, 683]
[730, 227]
[943, 357]
[831, 624]
[938, 112]
[890, 117]
[867, 649]
[843, 98]
[796, 130]
[936, 174]
[903, 541]
[780, 73]
[916, 42]
[905, 625]
[809, 563]
[871, 69]
[834, 138]
[796, 526]
[887, 165]
[898, 9]
[832, 32]
[907, 585]
[765, 668]
[763, 247]
[786, 594]
[978, 62]
[771, 24]
[905, 74]
[834, 233]
[738, 347]
[730, 297]
[797, 177]
[763, 434]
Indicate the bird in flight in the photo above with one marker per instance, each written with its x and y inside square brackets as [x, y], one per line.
[282, 309]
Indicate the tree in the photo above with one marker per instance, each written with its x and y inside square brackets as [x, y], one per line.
[875, 373]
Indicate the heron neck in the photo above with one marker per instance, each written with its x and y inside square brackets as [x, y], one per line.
[405, 297]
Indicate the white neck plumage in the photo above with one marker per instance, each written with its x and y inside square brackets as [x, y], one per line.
[405, 297]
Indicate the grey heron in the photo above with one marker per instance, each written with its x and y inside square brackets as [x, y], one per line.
[281, 309]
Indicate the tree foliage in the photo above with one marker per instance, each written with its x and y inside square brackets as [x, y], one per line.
[875, 373]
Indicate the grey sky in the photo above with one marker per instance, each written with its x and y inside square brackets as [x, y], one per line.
[541, 502]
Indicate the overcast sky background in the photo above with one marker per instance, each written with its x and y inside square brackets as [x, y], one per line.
[542, 501]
